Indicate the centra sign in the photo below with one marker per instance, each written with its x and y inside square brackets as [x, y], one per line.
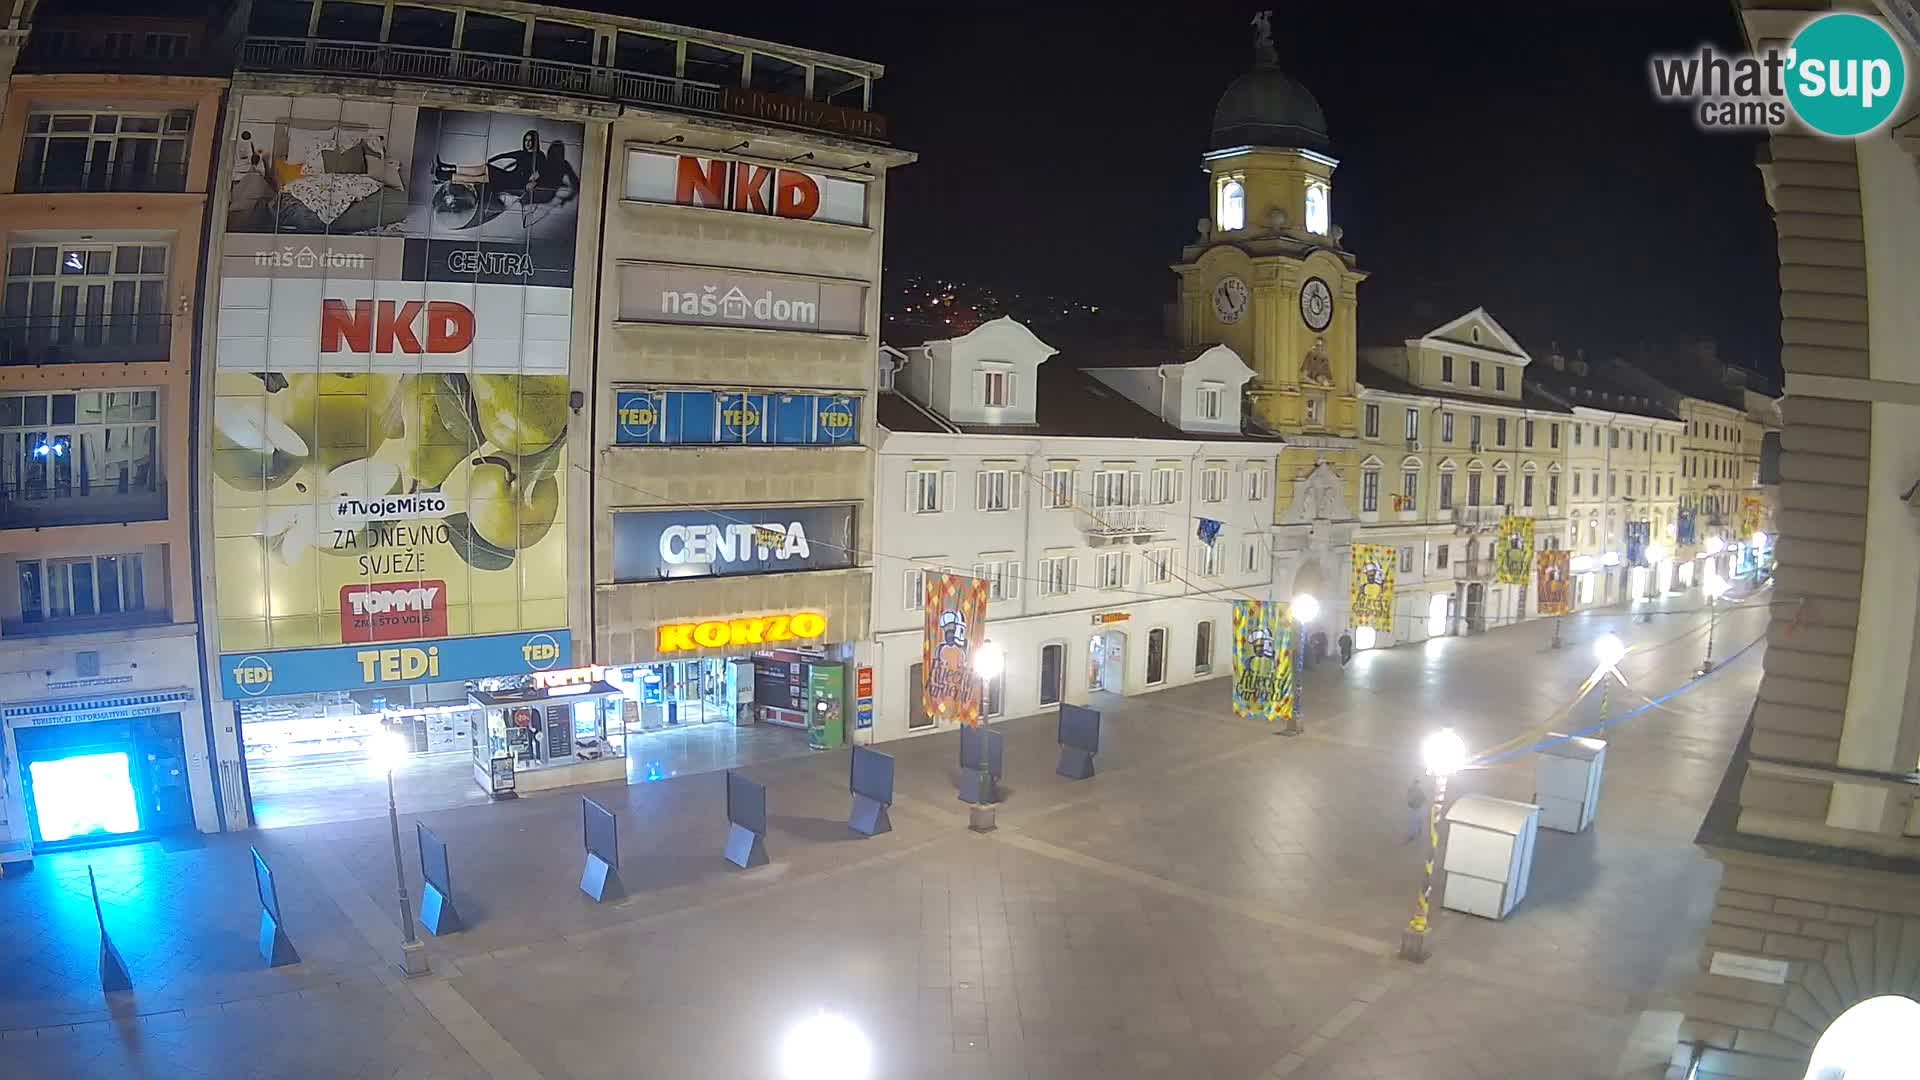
[757, 630]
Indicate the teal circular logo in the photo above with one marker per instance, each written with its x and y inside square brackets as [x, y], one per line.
[1846, 74]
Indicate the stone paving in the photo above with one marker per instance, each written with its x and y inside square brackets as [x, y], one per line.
[1217, 902]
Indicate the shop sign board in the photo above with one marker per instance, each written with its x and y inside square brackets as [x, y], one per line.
[731, 633]
[1102, 618]
[653, 545]
[863, 698]
[359, 667]
[656, 417]
[389, 410]
[743, 186]
[706, 296]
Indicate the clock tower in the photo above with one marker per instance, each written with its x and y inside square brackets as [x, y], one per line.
[1267, 275]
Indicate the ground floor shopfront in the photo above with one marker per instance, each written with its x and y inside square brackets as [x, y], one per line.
[103, 739]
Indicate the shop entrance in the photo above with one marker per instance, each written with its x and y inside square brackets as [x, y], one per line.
[1106, 662]
[105, 781]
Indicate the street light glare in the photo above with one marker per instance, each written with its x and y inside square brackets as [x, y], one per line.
[1716, 586]
[826, 1047]
[1760, 539]
[989, 660]
[1656, 553]
[1715, 545]
[385, 749]
[1305, 607]
[1609, 650]
[1443, 752]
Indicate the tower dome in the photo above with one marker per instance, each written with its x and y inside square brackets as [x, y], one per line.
[1264, 107]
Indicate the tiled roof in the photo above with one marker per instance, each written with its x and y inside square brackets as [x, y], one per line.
[1374, 378]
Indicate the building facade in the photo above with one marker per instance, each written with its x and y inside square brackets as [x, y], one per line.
[1076, 486]
[104, 191]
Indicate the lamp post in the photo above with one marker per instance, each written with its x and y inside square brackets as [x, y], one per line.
[1304, 609]
[1442, 754]
[386, 752]
[1655, 552]
[1715, 588]
[1609, 650]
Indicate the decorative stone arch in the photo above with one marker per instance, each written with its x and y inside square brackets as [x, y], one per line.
[1411, 461]
[1475, 464]
[1502, 467]
[1447, 465]
[1372, 461]
[1530, 467]
[1553, 468]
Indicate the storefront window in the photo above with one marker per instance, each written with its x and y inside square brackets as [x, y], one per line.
[1051, 664]
[1156, 656]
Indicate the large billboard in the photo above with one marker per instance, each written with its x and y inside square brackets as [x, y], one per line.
[655, 545]
[390, 402]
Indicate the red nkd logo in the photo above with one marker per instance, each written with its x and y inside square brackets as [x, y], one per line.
[393, 611]
[390, 326]
[738, 185]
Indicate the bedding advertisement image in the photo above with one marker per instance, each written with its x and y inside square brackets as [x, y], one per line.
[390, 412]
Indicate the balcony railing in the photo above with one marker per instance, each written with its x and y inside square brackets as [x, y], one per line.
[1121, 524]
[1477, 517]
[168, 176]
[1473, 570]
[85, 624]
[388, 61]
[100, 502]
[57, 339]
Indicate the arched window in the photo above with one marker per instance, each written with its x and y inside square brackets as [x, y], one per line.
[1233, 206]
[1318, 218]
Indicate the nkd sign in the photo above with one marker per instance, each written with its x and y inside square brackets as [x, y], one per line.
[724, 184]
[696, 296]
[653, 545]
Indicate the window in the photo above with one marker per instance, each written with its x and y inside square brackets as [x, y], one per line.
[1213, 484]
[1156, 656]
[1473, 432]
[1499, 377]
[1441, 554]
[996, 388]
[913, 586]
[705, 63]
[1595, 488]
[1233, 206]
[997, 489]
[1526, 433]
[1553, 437]
[1576, 485]
[1500, 431]
[1473, 373]
[1373, 421]
[1113, 569]
[1114, 487]
[1056, 575]
[1053, 659]
[1316, 409]
[89, 295]
[1256, 482]
[1410, 489]
[1413, 425]
[1318, 217]
[1526, 492]
[1250, 556]
[993, 696]
[1369, 491]
[1446, 491]
[105, 151]
[1002, 576]
[1499, 489]
[1166, 485]
[1612, 480]
[1446, 428]
[425, 27]
[1577, 429]
[1208, 401]
[917, 717]
[1613, 438]
[1159, 566]
[1210, 559]
[80, 457]
[80, 588]
[923, 490]
[1553, 490]
[1406, 559]
[1596, 434]
[1203, 647]
[1446, 369]
[1473, 488]
[1059, 491]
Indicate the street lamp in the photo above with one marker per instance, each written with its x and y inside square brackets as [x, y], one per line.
[826, 1046]
[1609, 650]
[989, 660]
[1442, 754]
[1305, 608]
[1715, 588]
[385, 750]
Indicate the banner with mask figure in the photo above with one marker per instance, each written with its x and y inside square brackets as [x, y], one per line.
[1371, 602]
[1553, 586]
[956, 624]
[1262, 660]
[1513, 553]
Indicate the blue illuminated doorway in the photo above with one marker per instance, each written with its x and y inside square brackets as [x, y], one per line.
[105, 781]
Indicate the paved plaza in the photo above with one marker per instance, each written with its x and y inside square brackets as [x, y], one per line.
[1218, 902]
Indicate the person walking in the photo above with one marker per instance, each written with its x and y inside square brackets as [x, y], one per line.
[1416, 809]
[1346, 647]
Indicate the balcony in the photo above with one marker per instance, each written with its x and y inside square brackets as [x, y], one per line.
[73, 43]
[54, 339]
[1476, 518]
[81, 503]
[1121, 524]
[164, 176]
[386, 61]
[1473, 570]
[89, 624]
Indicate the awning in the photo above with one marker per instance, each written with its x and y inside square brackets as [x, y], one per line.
[77, 710]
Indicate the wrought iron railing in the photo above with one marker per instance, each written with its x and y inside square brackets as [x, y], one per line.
[83, 502]
[117, 176]
[65, 339]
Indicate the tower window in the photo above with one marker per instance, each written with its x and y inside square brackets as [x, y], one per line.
[1233, 206]
[1317, 215]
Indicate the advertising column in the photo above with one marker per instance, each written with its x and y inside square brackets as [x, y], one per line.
[390, 407]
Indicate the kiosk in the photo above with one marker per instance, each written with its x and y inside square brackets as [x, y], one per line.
[1566, 781]
[547, 730]
[1489, 854]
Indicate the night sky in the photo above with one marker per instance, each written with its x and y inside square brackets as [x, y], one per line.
[1509, 155]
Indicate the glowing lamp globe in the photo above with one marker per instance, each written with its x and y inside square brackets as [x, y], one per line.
[825, 1046]
[989, 660]
[1306, 608]
[1443, 752]
[1609, 650]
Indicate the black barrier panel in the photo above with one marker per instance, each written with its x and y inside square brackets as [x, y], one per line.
[1080, 728]
[746, 803]
[600, 830]
[113, 969]
[870, 774]
[263, 884]
[433, 860]
[275, 947]
[980, 745]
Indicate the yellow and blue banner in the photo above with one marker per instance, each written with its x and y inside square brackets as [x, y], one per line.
[1370, 603]
[384, 664]
[1513, 553]
[956, 624]
[1263, 686]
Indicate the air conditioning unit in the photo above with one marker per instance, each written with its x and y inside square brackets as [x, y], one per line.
[1413, 444]
[1475, 446]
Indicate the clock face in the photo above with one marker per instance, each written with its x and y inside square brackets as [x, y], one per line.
[1316, 304]
[1230, 299]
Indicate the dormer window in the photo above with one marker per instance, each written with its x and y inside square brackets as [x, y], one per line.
[1233, 206]
[996, 388]
[1318, 217]
[1207, 401]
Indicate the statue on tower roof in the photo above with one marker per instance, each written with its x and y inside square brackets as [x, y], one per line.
[1263, 52]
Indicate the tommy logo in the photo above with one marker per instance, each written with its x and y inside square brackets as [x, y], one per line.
[395, 326]
[393, 611]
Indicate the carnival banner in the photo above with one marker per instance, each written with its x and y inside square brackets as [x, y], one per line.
[1684, 528]
[1513, 555]
[1371, 600]
[956, 624]
[1262, 660]
[1752, 515]
[1639, 534]
[1554, 582]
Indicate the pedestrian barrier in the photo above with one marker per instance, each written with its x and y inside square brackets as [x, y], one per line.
[746, 822]
[600, 834]
[113, 970]
[437, 912]
[870, 780]
[980, 765]
[275, 946]
[1079, 739]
